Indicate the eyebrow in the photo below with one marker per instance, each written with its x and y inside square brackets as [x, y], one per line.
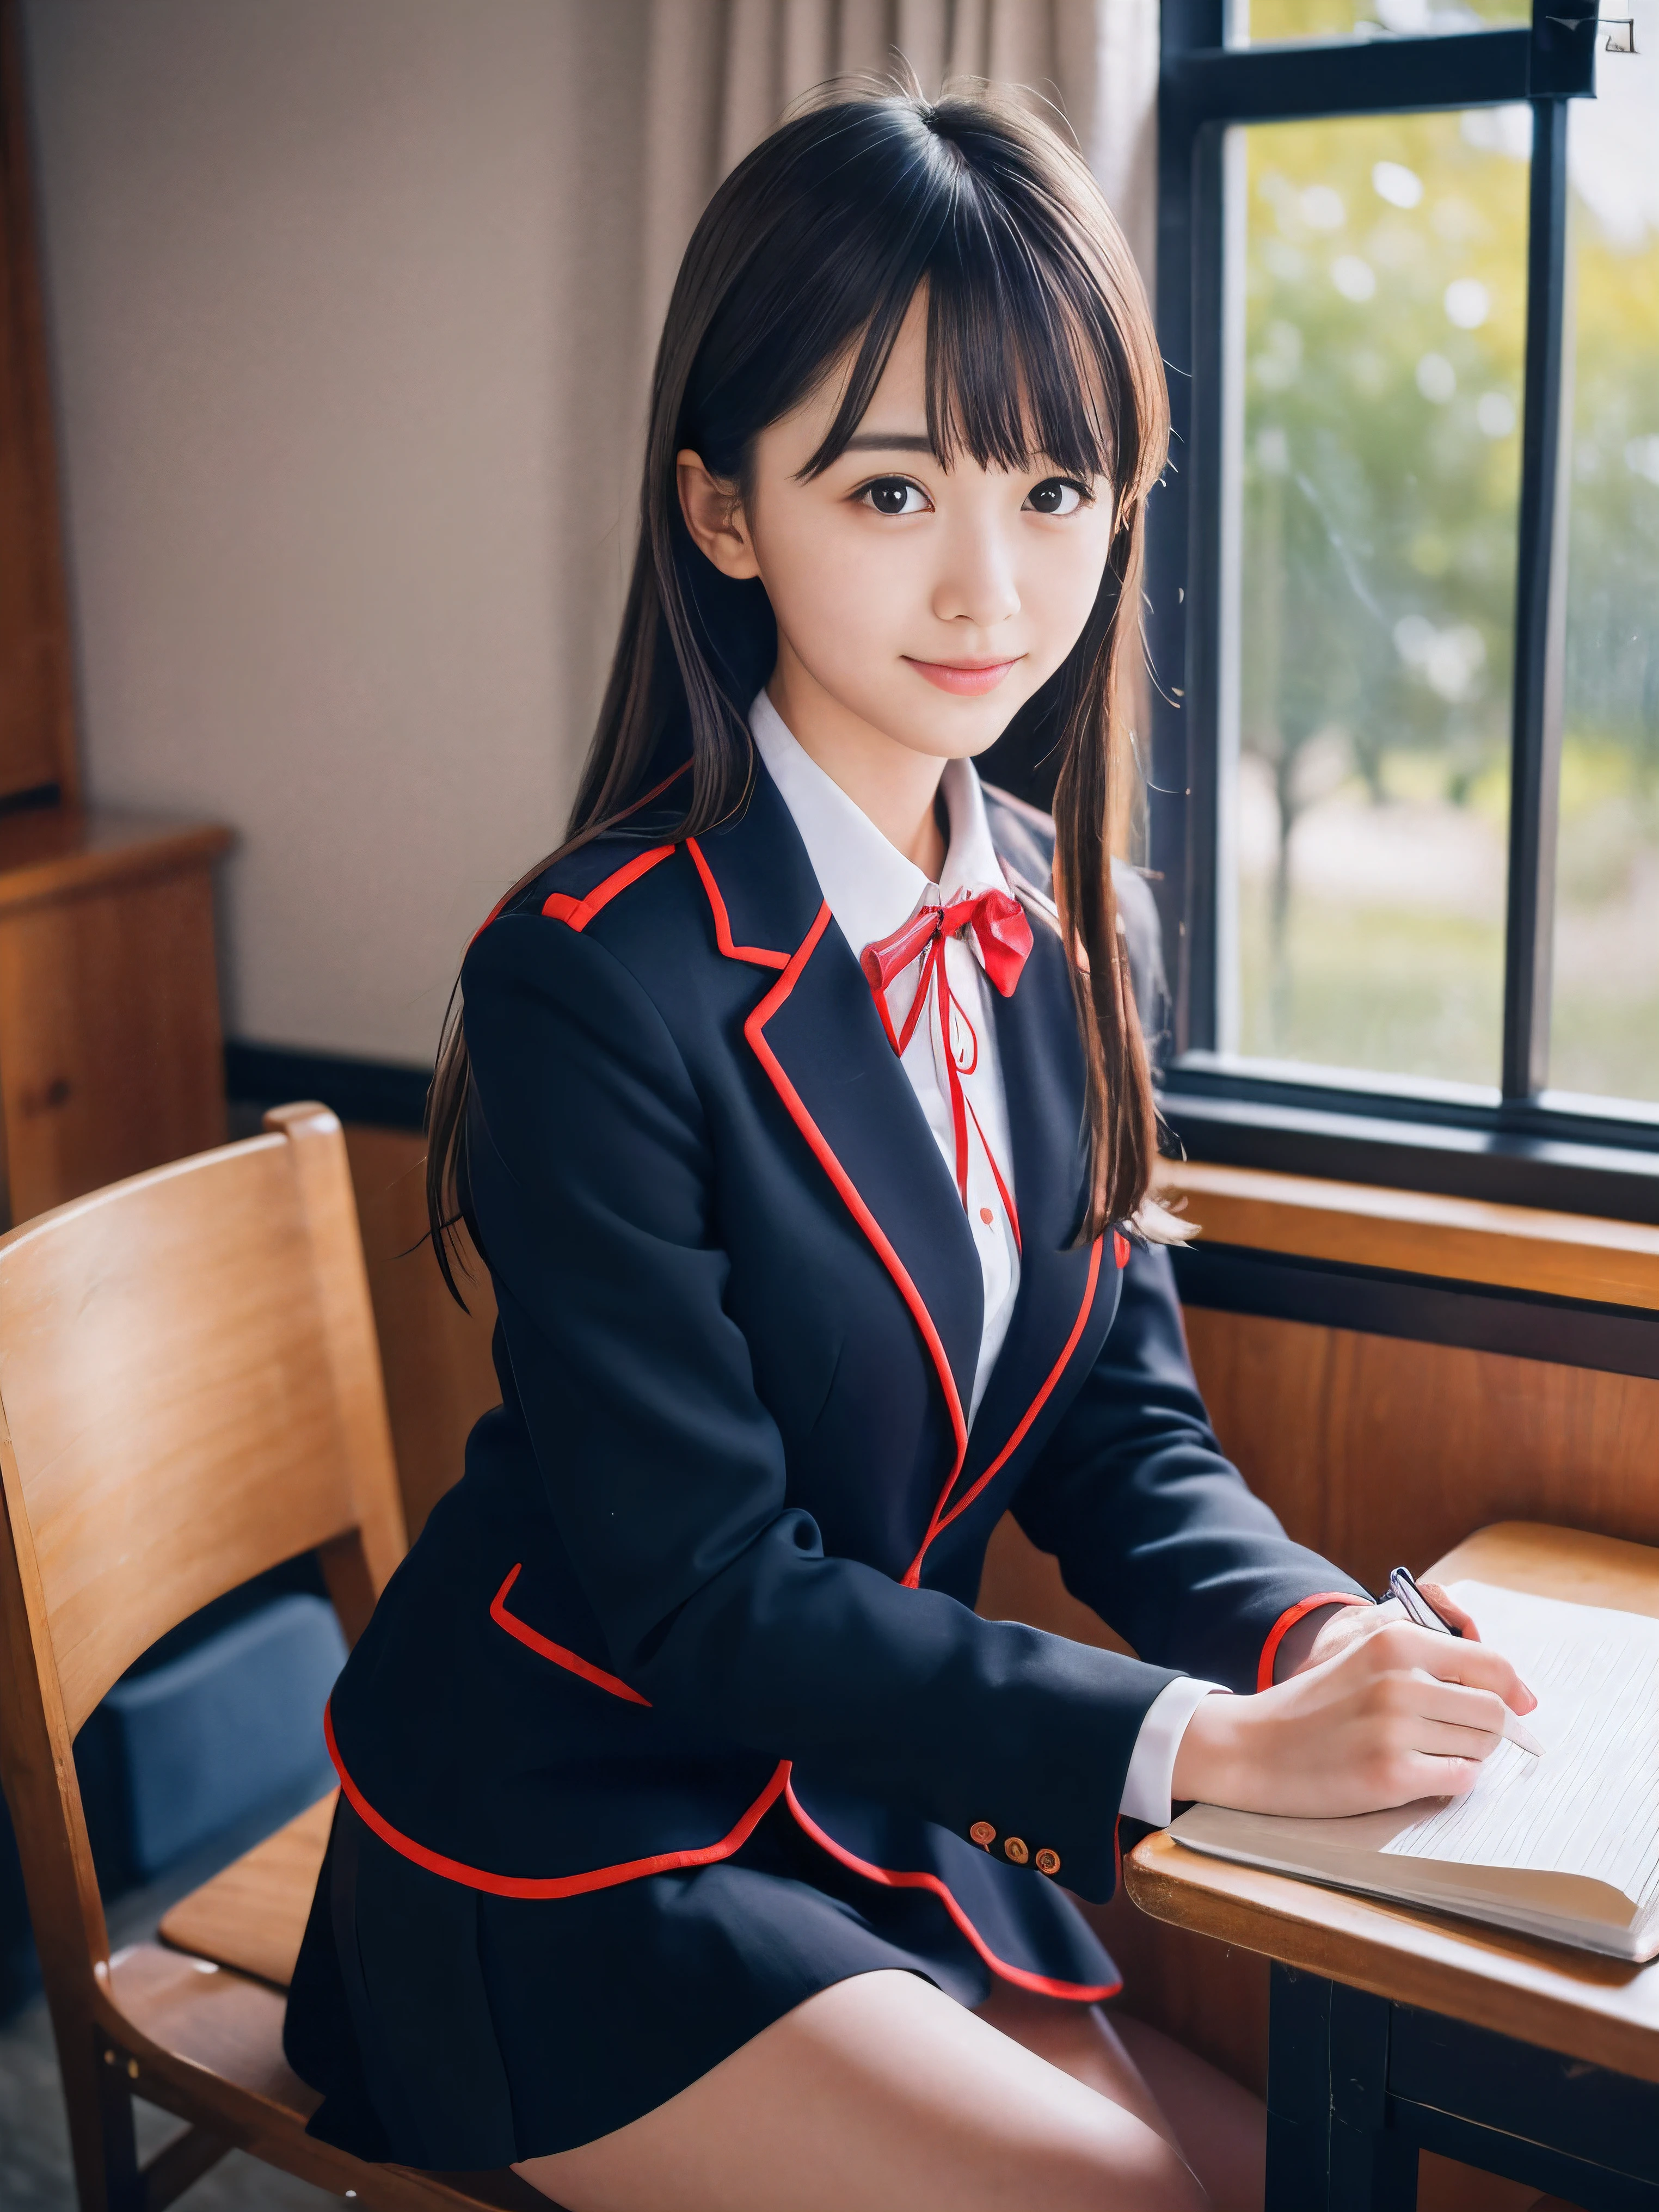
[888, 442]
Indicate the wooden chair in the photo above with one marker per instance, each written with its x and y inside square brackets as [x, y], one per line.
[190, 1392]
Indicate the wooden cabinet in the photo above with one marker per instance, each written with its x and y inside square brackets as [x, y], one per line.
[110, 1052]
[110, 1058]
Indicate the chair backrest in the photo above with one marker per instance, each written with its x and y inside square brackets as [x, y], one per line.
[190, 1392]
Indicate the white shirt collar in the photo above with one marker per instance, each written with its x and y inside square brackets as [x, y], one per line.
[870, 887]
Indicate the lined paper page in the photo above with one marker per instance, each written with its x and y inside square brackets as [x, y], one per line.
[1591, 1805]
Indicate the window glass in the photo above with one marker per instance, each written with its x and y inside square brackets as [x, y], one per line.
[1605, 1030]
[1377, 273]
[1269, 22]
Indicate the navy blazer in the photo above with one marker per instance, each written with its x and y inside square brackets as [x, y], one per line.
[719, 1545]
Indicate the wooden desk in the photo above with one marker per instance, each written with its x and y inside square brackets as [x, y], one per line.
[1393, 2030]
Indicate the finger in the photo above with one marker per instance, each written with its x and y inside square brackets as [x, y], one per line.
[1458, 1703]
[1449, 1610]
[1474, 1718]
[1440, 1739]
[1453, 1659]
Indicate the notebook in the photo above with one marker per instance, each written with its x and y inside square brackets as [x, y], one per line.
[1565, 1845]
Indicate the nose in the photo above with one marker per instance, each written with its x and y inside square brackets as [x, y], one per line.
[977, 585]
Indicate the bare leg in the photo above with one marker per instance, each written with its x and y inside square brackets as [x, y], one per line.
[1220, 2130]
[878, 2092]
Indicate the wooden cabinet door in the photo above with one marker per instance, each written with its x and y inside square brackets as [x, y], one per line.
[110, 1052]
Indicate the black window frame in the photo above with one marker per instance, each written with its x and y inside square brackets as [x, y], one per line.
[1529, 1148]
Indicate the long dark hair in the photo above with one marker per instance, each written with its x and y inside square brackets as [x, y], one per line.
[1039, 342]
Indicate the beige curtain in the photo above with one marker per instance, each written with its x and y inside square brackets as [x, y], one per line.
[722, 72]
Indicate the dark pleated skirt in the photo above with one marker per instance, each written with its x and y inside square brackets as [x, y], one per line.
[452, 2030]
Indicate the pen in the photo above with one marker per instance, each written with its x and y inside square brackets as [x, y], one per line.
[1404, 1589]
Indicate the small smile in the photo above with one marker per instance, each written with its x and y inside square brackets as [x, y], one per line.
[972, 677]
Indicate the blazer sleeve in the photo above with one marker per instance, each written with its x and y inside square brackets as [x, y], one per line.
[592, 1183]
[1151, 1524]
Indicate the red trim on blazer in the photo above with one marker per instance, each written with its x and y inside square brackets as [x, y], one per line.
[757, 953]
[645, 799]
[941, 1519]
[540, 1885]
[559, 906]
[546, 1649]
[1286, 1620]
[1042, 1985]
[1120, 1248]
[755, 1030]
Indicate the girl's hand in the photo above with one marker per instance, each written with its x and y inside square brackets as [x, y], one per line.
[1392, 1712]
[1322, 1635]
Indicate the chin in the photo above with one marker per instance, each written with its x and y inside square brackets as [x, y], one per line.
[959, 729]
[958, 737]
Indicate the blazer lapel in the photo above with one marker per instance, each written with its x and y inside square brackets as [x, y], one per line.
[1067, 1293]
[1061, 1302]
[816, 1034]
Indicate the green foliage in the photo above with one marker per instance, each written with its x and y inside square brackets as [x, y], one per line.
[1382, 321]
[1270, 21]
[1378, 570]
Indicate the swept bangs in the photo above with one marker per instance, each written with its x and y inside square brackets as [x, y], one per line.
[1026, 361]
[1039, 342]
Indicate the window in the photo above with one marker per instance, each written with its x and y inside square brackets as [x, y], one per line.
[1604, 1035]
[1404, 592]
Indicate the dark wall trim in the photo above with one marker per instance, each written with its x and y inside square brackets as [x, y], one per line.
[1610, 1172]
[1422, 1308]
[383, 1092]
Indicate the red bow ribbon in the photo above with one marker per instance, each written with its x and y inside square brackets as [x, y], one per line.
[997, 923]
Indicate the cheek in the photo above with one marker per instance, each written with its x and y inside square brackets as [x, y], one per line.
[1062, 583]
[832, 588]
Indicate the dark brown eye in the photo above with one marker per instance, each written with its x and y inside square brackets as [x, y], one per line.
[1055, 496]
[895, 496]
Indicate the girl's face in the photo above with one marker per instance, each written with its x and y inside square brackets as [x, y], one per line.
[916, 604]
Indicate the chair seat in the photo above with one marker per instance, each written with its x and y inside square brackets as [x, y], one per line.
[209, 2001]
[252, 1915]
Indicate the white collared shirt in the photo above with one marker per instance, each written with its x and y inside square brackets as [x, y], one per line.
[872, 890]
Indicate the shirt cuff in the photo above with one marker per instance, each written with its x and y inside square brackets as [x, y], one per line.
[1149, 1785]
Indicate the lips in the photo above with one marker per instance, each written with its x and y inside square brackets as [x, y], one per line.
[966, 678]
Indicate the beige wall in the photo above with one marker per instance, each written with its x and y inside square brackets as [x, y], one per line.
[343, 307]
[346, 300]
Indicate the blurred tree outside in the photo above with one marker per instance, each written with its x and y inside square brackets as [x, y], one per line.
[1385, 313]
[1384, 289]
[1268, 23]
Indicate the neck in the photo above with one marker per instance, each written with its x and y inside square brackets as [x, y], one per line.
[893, 785]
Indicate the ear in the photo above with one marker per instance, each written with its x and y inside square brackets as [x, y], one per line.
[714, 515]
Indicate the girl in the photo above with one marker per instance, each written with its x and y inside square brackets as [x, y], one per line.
[698, 1845]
